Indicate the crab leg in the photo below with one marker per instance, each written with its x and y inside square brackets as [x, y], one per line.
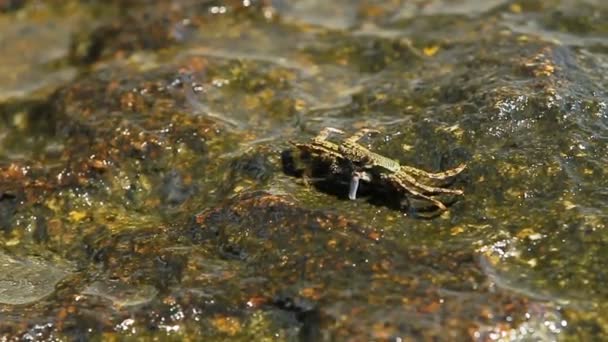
[418, 172]
[325, 132]
[404, 177]
[321, 146]
[351, 148]
[415, 193]
[359, 135]
[440, 175]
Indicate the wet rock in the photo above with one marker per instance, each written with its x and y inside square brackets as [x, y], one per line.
[27, 280]
[306, 313]
[338, 16]
[11, 5]
[173, 191]
[306, 252]
[169, 270]
[41, 230]
[256, 167]
[152, 26]
[251, 171]
[121, 295]
[8, 208]
[32, 46]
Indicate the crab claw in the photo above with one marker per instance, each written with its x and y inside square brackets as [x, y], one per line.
[354, 183]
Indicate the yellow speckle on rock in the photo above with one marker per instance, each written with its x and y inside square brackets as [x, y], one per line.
[227, 325]
[569, 205]
[553, 169]
[299, 104]
[514, 193]
[20, 121]
[456, 230]
[252, 102]
[109, 337]
[311, 292]
[145, 183]
[515, 8]
[548, 69]
[524, 232]
[454, 129]
[430, 51]
[12, 242]
[53, 204]
[77, 216]
[528, 233]
[381, 97]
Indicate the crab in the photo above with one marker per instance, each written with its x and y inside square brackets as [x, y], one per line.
[366, 165]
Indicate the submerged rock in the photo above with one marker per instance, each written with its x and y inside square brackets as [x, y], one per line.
[27, 280]
[120, 294]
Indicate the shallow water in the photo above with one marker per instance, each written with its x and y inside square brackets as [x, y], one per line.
[145, 193]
